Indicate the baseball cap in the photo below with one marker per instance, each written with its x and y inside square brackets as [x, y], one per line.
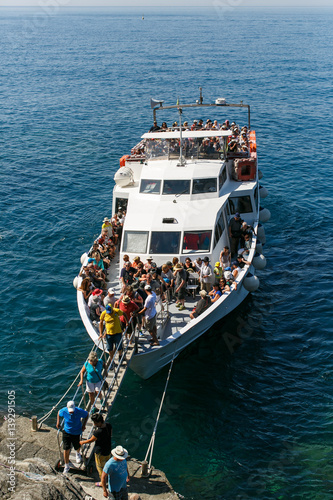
[71, 406]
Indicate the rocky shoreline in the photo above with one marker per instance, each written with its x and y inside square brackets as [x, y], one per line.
[27, 470]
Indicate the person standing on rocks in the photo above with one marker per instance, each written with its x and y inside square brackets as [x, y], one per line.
[116, 470]
[73, 428]
[102, 439]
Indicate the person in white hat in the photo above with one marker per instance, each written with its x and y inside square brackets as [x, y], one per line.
[107, 224]
[72, 430]
[116, 470]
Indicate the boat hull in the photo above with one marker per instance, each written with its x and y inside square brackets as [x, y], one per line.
[148, 363]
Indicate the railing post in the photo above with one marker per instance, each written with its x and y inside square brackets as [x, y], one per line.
[34, 426]
[144, 469]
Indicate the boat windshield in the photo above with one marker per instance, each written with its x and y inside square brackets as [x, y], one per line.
[208, 185]
[150, 186]
[176, 186]
[211, 148]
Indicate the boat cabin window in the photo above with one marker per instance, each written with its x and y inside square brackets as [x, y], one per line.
[135, 241]
[241, 204]
[208, 185]
[166, 242]
[176, 187]
[196, 241]
[219, 228]
[222, 177]
[150, 186]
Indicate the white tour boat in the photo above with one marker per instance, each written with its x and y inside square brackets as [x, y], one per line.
[179, 198]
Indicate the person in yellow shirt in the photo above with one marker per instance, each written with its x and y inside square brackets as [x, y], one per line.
[218, 271]
[113, 330]
[107, 225]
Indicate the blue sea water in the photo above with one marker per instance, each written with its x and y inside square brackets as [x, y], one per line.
[247, 418]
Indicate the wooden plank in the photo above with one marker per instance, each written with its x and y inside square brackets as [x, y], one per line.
[114, 386]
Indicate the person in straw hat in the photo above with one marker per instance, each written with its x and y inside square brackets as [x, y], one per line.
[116, 470]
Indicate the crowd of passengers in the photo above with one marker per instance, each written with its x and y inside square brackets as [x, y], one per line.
[237, 142]
[144, 282]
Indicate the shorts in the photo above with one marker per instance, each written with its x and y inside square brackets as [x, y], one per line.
[100, 461]
[113, 340]
[181, 293]
[70, 439]
[151, 323]
[93, 387]
[119, 495]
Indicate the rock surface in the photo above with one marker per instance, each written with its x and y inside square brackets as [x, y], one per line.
[35, 478]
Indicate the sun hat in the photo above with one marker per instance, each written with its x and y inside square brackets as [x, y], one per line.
[203, 293]
[206, 259]
[150, 257]
[119, 452]
[97, 292]
[71, 406]
[126, 299]
[178, 266]
[105, 219]
[111, 291]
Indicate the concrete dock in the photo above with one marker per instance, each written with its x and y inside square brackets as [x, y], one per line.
[27, 472]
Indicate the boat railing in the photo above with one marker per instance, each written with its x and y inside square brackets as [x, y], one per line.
[163, 314]
[110, 365]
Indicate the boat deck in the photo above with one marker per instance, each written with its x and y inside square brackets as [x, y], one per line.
[169, 319]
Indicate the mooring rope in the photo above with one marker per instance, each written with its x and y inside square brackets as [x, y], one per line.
[49, 413]
[152, 440]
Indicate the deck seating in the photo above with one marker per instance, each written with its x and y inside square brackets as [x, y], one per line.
[192, 283]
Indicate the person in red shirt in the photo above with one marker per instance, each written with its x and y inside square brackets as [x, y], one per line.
[129, 307]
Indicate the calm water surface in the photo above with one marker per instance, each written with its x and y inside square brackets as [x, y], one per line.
[251, 421]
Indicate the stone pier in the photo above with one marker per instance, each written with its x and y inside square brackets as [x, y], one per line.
[27, 470]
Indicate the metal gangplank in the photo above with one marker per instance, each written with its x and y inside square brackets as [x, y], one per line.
[114, 374]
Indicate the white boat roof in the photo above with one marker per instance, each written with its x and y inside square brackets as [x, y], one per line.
[187, 134]
[194, 215]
